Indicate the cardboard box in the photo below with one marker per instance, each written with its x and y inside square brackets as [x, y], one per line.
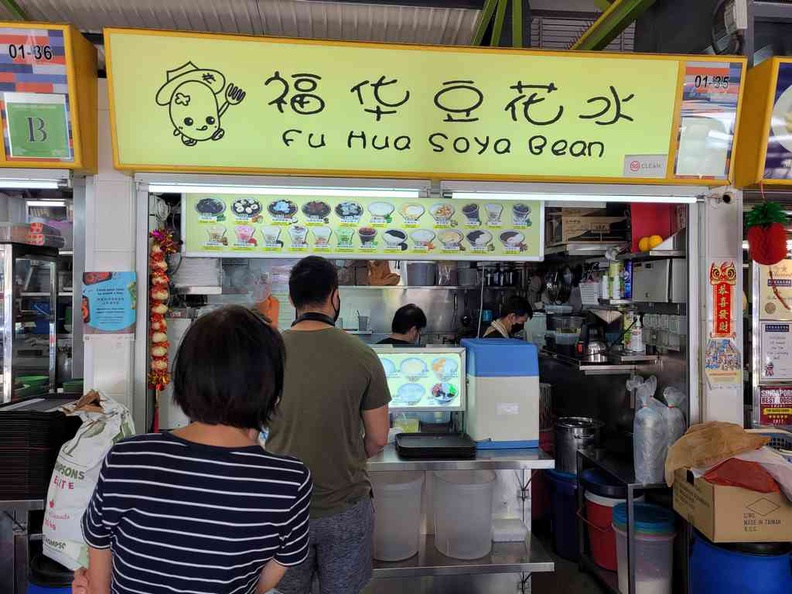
[563, 229]
[732, 514]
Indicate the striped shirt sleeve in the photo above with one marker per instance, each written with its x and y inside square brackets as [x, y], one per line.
[95, 529]
[294, 537]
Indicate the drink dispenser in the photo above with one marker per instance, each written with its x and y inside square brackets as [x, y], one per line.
[503, 393]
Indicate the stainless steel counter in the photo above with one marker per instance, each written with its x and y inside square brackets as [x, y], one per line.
[527, 459]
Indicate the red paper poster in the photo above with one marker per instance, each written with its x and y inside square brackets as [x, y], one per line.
[775, 405]
[722, 277]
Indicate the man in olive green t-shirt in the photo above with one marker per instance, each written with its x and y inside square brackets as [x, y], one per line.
[333, 415]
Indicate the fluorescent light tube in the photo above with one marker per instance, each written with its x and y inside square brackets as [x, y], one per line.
[32, 184]
[46, 203]
[551, 197]
[286, 191]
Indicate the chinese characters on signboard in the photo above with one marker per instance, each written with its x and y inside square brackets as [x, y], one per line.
[244, 104]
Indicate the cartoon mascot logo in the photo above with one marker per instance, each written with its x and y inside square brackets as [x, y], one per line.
[192, 94]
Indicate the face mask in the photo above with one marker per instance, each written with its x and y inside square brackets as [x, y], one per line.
[337, 308]
[517, 328]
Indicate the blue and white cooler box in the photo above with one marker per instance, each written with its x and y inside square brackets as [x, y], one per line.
[503, 393]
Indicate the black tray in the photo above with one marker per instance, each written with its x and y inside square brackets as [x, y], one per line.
[434, 445]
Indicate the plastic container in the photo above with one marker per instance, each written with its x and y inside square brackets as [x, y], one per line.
[602, 538]
[747, 568]
[563, 503]
[48, 577]
[397, 527]
[654, 548]
[463, 513]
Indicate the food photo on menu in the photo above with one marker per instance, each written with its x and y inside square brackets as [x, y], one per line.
[362, 226]
[423, 378]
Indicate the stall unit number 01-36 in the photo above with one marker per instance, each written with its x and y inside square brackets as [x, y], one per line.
[38, 52]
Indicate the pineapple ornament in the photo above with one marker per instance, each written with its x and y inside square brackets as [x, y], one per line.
[767, 236]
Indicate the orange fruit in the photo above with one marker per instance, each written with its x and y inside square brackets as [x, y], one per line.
[643, 244]
[654, 241]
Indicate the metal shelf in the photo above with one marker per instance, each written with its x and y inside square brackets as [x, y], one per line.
[513, 583]
[652, 255]
[505, 557]
[584, 248]
[524, 459]
[612, 367]
[429, 288]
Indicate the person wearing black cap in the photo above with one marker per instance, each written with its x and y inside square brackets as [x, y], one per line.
[408, 322]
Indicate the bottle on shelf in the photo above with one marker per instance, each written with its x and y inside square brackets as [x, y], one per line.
[497, 277]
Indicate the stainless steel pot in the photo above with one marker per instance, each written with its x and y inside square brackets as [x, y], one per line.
[573, 434]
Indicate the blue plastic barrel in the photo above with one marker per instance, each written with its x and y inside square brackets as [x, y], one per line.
[747, 568]
[563, 504]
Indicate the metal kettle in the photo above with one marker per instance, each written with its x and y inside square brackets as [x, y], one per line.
[591, 347]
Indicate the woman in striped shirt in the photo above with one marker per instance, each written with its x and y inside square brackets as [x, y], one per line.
[203, 509]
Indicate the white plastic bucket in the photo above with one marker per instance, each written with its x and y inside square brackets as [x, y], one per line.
[654, 556]
[397, 520]
[463, 513]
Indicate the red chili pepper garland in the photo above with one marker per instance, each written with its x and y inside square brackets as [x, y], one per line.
[162, 244]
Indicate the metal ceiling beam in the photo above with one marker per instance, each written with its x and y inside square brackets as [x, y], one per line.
[771, 12]
[498, 26]
[470, 4]
[620, 15]
[15, 9]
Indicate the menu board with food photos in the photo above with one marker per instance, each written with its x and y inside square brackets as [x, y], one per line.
[252, 226]
[424, 378]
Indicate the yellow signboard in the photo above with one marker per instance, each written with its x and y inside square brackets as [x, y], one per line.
[198, 102]
[246, 226]
[765, 148]
[48, 97]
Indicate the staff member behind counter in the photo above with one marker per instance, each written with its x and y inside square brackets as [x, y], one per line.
[408, 322]
[515, 313]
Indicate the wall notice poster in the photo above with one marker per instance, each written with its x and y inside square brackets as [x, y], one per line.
[722, 362]
[778, 161]
[722, 278]
[775, 291]
[775, 405]
[775, 339]
[367, 228]
[198, 102]
[109, 302]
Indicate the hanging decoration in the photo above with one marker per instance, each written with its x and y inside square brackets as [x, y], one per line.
[767, 236]
[162, 244]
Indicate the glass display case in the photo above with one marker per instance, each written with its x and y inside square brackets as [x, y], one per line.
[28, 279]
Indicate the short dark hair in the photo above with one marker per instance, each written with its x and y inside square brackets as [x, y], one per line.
[518, 306]
[408, 317]
[312, 281]
[228, 369]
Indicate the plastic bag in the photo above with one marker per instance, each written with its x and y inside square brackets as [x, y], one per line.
[104, 422]
[708, 443]
[650, 435]
[739, 473]
[674, 417]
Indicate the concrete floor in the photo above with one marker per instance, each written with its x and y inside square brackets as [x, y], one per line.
[566, 578]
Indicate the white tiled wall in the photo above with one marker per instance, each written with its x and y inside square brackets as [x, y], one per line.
[110, 246]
